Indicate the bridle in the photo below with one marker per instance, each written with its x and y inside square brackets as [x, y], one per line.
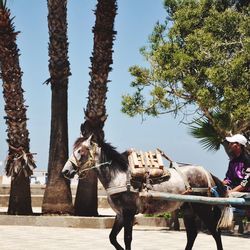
[92, 162]
[96, 158]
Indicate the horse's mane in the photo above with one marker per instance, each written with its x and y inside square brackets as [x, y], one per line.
[110, 152]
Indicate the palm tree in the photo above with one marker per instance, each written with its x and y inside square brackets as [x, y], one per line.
[95, 114]
[211, 138]
[57, 196]
[20, 163]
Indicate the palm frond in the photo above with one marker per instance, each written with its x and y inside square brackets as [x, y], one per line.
[3, 4]
[206, 133]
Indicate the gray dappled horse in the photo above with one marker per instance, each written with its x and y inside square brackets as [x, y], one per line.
[113, 172]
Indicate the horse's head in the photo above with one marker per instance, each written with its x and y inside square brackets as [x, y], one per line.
[84, 157]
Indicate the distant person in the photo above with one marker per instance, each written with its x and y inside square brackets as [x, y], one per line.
[238, 172]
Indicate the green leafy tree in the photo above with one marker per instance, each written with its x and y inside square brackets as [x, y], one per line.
[199, 61]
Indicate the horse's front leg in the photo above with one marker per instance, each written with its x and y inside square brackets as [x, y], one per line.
[118, 224]
[128, 217]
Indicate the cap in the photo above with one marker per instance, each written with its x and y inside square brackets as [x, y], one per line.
[241, 139]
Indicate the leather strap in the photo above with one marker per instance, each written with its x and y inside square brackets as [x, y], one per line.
[175, 166]
[208, 180]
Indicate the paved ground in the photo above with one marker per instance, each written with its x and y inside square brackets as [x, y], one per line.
[101, 211]
[58, 238]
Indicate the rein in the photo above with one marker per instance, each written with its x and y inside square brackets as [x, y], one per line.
[97, 166]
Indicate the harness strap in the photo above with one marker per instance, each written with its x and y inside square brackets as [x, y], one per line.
[190, 189]
[124, 188]
[74, 160]
[200, 190]
[175, 166]
[128, 181]
[208, 180]
[120, 189]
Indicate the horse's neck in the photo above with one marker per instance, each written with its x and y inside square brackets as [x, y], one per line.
[112, 179]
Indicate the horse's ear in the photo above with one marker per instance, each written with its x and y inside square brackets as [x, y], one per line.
[87, 143]
[90, 137]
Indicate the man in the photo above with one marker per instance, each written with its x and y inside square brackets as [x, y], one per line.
[238, 173]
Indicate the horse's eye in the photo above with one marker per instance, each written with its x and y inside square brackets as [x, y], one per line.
[85, 149]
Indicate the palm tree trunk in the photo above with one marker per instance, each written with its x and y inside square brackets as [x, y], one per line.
[96, 111]
[20, 196]
[20, 163]
[57, 196]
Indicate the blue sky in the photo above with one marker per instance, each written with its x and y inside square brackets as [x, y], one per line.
[134, 23]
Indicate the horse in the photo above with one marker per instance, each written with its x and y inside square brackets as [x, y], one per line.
[114, 173]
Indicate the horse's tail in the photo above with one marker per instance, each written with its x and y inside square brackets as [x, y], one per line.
[226, 217]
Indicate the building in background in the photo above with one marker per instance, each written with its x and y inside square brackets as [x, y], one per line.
[38, 177]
